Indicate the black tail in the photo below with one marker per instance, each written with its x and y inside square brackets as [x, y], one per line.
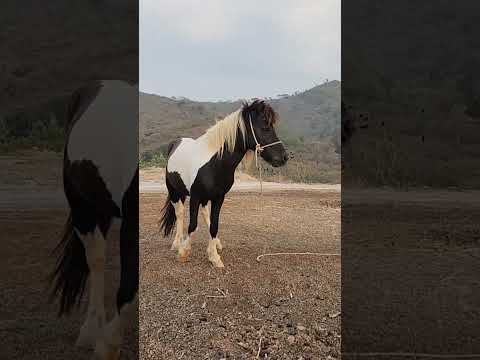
[169, 218]
[71, 271]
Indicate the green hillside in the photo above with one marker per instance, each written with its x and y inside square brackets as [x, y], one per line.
[309, 126]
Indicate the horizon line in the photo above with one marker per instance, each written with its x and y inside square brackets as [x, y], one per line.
[275, 97]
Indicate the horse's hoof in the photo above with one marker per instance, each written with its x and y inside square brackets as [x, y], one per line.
[106, 352]
[174, 247]
[217, 263]
[184, 254]
[85, 341]
[88, 334]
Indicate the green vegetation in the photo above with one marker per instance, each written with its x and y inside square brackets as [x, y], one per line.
[309, 127]
[152, 159]
[41, 128]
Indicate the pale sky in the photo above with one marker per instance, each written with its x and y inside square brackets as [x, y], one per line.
[230, 49]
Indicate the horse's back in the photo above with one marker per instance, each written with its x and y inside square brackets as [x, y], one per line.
[106, 134]
[187, 158]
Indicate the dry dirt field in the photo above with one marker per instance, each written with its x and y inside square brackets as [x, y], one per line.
[283, 307]
[32, 214]
[410, 265]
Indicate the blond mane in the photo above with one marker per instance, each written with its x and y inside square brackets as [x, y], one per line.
[224, 133]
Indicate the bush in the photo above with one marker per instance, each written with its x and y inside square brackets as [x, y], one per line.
[152, 159]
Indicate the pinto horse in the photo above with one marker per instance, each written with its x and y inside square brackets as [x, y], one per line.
[204, 168]
[100, 176]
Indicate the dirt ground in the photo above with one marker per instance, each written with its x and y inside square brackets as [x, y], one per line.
[33, 211]
[29, 326]
[285, 307]
[410, 265]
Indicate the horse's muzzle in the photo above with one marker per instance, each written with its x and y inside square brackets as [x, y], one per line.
[278, 161]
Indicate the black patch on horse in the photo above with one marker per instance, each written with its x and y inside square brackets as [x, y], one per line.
[81, 100]
[84, 177]
[173, 146]
[176, 186]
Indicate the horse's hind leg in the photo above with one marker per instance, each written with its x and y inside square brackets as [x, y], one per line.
[185, 248]
[108, 347]
[94, 243]
[178, 201]
[180, 214]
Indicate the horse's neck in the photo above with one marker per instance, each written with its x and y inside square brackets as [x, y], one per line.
[231, 160]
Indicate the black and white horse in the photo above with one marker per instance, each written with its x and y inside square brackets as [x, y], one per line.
[204, 168]
[100, 174]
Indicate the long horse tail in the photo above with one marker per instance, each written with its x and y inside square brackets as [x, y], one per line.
[169, 218]
[71, 271]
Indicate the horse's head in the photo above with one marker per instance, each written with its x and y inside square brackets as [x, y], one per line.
[260, 118]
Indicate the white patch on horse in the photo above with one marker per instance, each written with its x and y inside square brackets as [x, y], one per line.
[107, 135]
[92, 328]
[188, 158]
[179, 213]
[206, 215]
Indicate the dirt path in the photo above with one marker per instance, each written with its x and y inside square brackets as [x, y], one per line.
[291, 303]
[248, 186]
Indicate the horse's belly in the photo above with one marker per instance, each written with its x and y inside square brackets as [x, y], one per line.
[188, 158]
[107, 135]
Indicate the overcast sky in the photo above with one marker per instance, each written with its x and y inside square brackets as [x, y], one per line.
[230, 49]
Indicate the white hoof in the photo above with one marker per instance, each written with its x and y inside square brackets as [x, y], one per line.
[184, 254]
[89, 332]
[174, 246]
[109, 344]
[184, 250]
[219, 245]
[105, 351]
[215, 259]
[217, 263]
[85, 340]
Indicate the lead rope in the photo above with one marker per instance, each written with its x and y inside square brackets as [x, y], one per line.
[258, 150]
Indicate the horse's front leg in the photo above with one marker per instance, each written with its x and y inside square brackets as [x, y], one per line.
[185, 248]
[214, 242]
[206, 217]
[94, 244]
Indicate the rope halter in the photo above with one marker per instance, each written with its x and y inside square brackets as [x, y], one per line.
[258, 147]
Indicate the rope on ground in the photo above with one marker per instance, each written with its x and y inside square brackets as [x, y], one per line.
[296, 253]
[414, 355]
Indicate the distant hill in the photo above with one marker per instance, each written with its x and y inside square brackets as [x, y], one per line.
[312, 115]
